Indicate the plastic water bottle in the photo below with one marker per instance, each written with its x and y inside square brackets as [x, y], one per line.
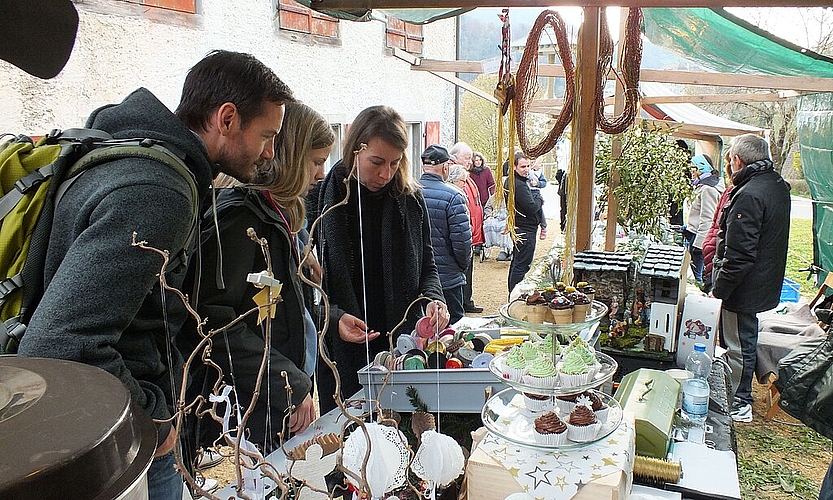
[696, 388]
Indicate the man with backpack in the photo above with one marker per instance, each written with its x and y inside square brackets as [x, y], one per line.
[102, 303]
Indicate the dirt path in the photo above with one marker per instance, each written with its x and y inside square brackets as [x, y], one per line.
[490, 276]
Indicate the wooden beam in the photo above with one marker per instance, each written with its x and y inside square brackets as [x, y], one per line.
[615, 147]
[776, 82]
[706, 98]
[584, 127]
[443, 4]
[466, 86]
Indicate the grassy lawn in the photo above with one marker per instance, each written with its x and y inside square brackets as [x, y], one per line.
[800, 254]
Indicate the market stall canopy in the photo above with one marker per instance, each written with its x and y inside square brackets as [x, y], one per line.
[694, 118]
[726, 43]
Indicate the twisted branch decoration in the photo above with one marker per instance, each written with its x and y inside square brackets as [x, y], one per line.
[526, 83]
[629, 67]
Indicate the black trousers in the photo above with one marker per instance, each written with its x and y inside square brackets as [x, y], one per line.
[467, 288]
[522, 256]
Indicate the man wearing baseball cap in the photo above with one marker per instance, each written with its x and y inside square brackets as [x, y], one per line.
[450, 227]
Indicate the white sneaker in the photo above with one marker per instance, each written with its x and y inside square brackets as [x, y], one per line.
[208, 460]
[742, 413]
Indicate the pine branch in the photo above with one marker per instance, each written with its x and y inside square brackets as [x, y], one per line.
[415, 400]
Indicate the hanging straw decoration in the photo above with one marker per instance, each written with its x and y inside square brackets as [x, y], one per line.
[527, 83]
[629, 68]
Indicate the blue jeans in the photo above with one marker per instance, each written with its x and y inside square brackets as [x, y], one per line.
[697, 262]
[826, 492]
[164, 482]
[740, 333]
[454, 302]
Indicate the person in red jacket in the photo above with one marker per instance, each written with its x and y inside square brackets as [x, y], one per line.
[462, 154]
[710, 243]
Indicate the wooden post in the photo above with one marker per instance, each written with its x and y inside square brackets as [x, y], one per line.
[584, 125]
[616, 146]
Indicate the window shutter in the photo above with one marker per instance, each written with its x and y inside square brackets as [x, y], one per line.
[296, 17]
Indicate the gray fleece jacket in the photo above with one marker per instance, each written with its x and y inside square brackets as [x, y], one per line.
[102, 303]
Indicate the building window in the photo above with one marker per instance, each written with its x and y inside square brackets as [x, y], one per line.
[335, 154]
[189, 6]
[295, 17]
[416, 140]
[405, 36]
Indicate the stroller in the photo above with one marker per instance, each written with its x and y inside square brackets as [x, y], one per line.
[494, 226]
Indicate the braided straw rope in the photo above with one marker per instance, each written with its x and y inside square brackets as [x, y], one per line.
[527, 82]
[629, 67]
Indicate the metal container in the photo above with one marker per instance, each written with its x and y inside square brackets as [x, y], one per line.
[69, 430]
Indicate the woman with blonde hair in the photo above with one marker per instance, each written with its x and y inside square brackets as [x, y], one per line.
[274, 208]
[375, 250]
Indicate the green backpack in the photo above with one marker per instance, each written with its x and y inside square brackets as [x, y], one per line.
[33, 177]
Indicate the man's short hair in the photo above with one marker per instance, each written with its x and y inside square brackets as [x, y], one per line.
[519, 155]
[749, 148]
[223, 76]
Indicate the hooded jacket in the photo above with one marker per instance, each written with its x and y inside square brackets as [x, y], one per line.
[707, 192]
[102, 303]
[450, 229]
[237, 210]
[752, 241]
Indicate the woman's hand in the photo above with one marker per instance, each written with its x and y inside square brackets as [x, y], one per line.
[352, 329]
[303, 415]
[438, 313]
[313, 268]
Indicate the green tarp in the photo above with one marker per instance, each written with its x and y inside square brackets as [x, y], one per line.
[725, 43]
[814, 120]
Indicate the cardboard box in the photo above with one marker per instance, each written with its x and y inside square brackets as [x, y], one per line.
[664, 322]
[701, 316]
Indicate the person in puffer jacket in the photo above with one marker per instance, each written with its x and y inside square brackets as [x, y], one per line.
[710, 243]
[450, 227]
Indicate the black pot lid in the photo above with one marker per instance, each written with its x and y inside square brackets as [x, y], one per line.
[68, 430]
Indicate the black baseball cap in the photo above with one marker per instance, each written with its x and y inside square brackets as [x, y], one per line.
[435, 155]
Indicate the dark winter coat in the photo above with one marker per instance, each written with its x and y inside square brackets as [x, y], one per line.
[237, 210]
[102, 303]
[393, 242]
[526, 206]
[752, 240]
[450, 229]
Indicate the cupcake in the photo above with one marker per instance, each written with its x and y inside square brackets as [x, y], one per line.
[561, 286]
[587, 353]
[562, 310]
[597, 405]
[514, 366]
[550, 347]
[549, 293]
[536, 308]
[582, 424]
[566, 403]
[574, 371]
[537, 403]
[530, 352]
[541, 374]
[581, 306]
[550, 430]
[587, 289]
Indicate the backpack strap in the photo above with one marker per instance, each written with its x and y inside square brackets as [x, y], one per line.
[141, 148]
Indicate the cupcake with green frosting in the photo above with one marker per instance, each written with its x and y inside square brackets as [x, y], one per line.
[530, 352]
[587, 353]
[573, 370]
[514, 367]
[550, 348]
[541, 374]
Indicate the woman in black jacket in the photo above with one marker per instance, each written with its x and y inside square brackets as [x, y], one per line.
[274, 208]
[375, 250]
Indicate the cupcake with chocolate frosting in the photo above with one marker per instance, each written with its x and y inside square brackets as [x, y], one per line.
[582, 424]
[587, 289]
[537, 403]
[561, 308]
[581, 306]
[550, 430]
